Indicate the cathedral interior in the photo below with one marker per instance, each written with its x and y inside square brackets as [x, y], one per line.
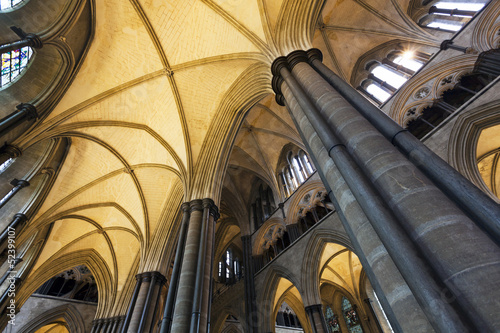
[255, 166]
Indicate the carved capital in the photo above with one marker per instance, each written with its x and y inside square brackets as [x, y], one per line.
[314, 54]
[297, 57]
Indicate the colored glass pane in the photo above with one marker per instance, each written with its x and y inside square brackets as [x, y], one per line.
[332, 320]
[14, 63]
[7, 4]
[351, 317]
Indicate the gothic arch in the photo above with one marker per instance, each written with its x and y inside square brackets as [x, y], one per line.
[295, 204]
[311, 264]
[266, 297]
[464, 138]
[66, 312]
[90, 258]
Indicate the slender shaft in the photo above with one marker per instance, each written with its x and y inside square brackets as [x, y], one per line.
[478, 205]
[174, 280]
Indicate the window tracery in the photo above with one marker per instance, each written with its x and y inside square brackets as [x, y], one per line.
[387, 76]
[332, 320]
[449, 16]
[14, 63]
[351, 317]
[295, 168]
[229, 268]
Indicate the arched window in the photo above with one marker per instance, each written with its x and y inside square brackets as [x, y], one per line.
[10, 4]
[450, 15]
[295, 169]
[229, 268]
[332, 321]
[13, 64]
[387, 77]
[351, 317]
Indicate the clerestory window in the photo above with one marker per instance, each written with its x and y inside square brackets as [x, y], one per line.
[387, 77]
[450, 15]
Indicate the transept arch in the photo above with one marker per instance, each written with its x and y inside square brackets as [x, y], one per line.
[67, 313]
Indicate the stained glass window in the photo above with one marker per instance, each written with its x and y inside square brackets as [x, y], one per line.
[351, 317]
[7, 4]
[14, 63]
[332, 321]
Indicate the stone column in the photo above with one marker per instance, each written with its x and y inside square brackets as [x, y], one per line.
[317, 319]
[201, 298]
[133, 301]
[405, 255]
[25, 112]
[174, 280]
[250, 297]
[156, 282]
[9, 151]
[293, 232]
[480, 207]
[209, 267]
[465, 259]
[190, 302]
[397, 300]
[30, 40]
[18, 185]
[13, 228]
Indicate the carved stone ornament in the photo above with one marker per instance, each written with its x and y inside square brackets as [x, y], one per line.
[422, 93]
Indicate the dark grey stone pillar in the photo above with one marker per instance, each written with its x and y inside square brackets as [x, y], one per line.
[13, 228]
[251, 312]
[397, 300]
[174, 280]
[405, 255]
[9, 151]
[25, 112]
[155, 281]
[317, 319]
[190, 301]
[133, 301]
[479, 206]
[451, 242]
[18, 185]
[31, 40]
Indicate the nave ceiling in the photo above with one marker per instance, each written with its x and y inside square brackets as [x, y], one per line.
[173, 102]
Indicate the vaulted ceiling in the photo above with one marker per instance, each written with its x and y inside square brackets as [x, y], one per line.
[170, 93]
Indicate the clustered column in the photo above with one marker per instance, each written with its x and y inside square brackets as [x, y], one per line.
[108, 325]
[448, 262]
[144, 302]
[193, 297]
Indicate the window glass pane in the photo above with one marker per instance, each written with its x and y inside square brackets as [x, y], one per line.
[460, 5]
[445, 26]
[378, 92]
[408, 63]
[297, 170]
[14, 63]
[389, 76]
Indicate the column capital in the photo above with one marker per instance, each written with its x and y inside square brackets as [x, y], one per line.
[315, 54]
[196, 205]
[11, 151]
[21, 217]
[35, 41]
[22, 183]
[296, 57]
[278, 64]
[185, 207]
[29, 109]
[314, 308]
